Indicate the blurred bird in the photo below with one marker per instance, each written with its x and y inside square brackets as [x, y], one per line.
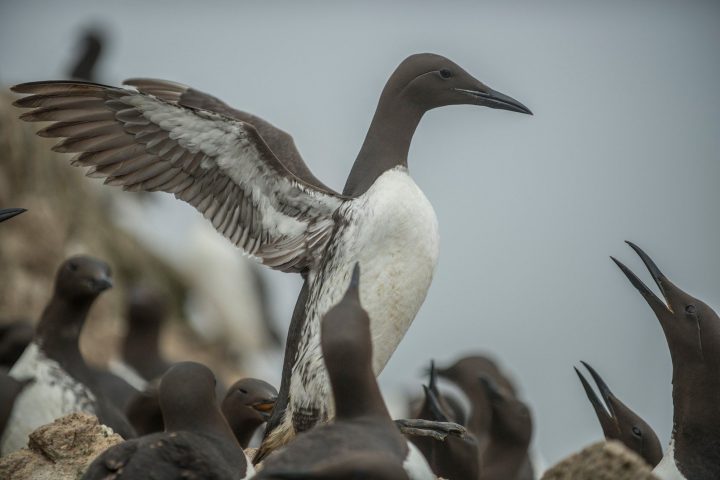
[141, 360]
[455, 458]
[362, 423]
[247, 405]
[85, 64]
[197, 441]
[619, 422]
[692, 331]
[464, 373]
[63, 383]
[170, 137]
[506, 455]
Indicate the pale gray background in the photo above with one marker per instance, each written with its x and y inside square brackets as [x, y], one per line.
[623, 145]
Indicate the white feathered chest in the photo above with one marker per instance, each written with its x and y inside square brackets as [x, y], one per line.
[392, 231]
[53, 394]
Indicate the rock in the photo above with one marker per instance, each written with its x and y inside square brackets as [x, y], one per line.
[61, 450]
[602, 461]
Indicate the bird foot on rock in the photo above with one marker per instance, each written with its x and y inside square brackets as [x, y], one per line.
[427, 428]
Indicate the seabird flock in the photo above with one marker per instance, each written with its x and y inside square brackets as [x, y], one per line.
[367, 257]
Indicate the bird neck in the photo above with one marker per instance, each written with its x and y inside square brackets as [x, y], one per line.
[141, 347]
[387, 142]
[243, 426]
[60, 326]
[357, 393]
[696, 392]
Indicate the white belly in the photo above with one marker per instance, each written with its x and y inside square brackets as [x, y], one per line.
[53, 394]
[393, 233]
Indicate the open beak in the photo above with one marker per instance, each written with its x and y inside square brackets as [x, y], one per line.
[265, 407]
[494, 99]
[659, 306]
[8, 213]
[604, 409]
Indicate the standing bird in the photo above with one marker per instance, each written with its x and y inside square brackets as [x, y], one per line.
[619, 422]
[506, 455]
[197, 441]
[692, 331]
[362, 424]
[63, 381]
[247, 178]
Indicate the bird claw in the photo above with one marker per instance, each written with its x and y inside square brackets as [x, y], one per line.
[427, 428]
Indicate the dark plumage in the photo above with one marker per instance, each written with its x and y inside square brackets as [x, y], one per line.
[15, 336]
[197, 441]
[619, 422]
[246, 406]
[85, 66]
[506, 455]
[64, 383]
[146, 313]
[692, 332]
[455, 458]
[10, 388]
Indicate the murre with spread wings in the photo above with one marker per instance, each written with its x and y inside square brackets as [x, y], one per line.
[247, 178]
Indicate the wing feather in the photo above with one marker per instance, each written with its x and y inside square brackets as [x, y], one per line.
[146, 141]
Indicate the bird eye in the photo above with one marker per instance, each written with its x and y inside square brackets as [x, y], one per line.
[637, 431]
[73, 266]
[242, 390]
[690, 309]
[445, 73]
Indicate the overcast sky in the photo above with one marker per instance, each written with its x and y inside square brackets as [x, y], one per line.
[624, 144]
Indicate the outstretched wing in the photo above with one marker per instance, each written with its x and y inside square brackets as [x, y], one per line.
[219, 165]
[279, 141]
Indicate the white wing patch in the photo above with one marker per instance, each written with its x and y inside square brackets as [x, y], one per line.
[53, 394]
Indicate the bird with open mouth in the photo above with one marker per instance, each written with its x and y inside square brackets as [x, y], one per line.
[692, 331]
[619, 422]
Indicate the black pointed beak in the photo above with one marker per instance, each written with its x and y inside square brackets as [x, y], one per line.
[8, 213]
[659, 306]
[603, 410]
[488, 97]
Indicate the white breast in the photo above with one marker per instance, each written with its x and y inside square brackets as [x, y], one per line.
[53, 394]
[392, 231]
[667, 468]
[395, 238]
[416, 466]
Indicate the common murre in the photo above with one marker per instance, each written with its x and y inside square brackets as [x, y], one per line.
[362, 424]
[692, 331]
[197, 441]
[63, 383]
[271, 206]
[619, 422]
